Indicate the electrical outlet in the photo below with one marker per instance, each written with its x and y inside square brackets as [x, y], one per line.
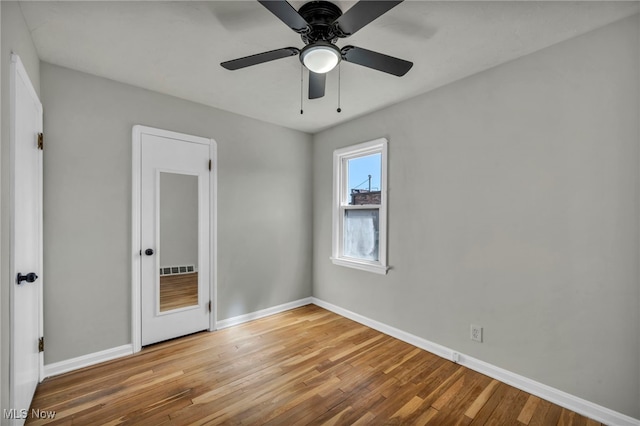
[476, 333]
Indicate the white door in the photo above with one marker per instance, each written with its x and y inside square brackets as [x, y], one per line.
[26, 240]
[175, 237]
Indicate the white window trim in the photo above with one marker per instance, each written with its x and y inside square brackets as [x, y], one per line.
[340, 201]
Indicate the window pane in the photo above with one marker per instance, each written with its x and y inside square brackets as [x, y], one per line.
[361, 234]
[364, 179]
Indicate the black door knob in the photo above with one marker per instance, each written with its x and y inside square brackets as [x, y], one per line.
[148, 252]
[30, 277]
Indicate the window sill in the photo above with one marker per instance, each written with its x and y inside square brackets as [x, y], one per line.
[363, 266]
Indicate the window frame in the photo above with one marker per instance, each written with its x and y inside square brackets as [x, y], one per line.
[341, 204]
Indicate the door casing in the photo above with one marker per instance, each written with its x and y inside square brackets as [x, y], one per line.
[136, 258]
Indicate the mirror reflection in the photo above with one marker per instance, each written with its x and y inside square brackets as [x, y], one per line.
[178, 241]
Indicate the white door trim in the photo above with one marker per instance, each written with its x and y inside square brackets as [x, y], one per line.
[18, 71]
[136, 264]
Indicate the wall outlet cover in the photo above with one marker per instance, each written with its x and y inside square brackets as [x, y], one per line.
[476, 333]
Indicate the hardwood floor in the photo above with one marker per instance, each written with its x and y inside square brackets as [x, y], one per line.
[305, 366]
[178, 291]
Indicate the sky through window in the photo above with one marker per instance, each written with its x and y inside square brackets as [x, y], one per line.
[360, 168]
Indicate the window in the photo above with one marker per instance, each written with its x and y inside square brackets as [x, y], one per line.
[360, 206]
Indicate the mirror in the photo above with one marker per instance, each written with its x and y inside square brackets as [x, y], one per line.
[178, 241]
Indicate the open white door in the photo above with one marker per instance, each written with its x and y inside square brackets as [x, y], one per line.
[26, 242]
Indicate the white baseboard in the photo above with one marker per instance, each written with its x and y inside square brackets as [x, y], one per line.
[240, 319]
[561, 398]
[87, 360]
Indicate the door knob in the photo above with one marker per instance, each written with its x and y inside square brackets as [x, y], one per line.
[148, 252]
[30, 277]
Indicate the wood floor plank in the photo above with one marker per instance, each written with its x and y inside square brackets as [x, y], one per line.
[453, 405]
[306, 366]
[407, 409]
[553, 415]
[528, 409]
[365, 420]
[426, 417]
[492, 403]
[540, 413]
[481, 399]
[507, 412]
[301, 413]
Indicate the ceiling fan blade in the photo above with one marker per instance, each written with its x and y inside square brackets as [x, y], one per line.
[376, 61]
[316, 85]
[287, 14]
[361, 14]
[260, 58]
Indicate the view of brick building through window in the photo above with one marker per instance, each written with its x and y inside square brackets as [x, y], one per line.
[370, 195]
[361, 197]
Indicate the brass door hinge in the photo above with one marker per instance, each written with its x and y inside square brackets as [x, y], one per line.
[209, 165]
[41, 344]
[40, 141]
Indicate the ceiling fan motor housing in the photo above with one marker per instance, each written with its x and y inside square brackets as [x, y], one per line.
[320, 15]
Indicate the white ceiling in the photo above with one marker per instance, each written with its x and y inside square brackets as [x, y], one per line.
[176, 48]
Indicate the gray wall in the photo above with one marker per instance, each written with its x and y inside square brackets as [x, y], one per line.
[264, 211]
[527, 220]
[15, 38]
[178, 219]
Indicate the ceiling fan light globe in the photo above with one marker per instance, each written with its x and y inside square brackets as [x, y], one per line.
[321, 58]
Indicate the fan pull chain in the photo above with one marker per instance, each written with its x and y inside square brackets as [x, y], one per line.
[301, 86]
[339, 109]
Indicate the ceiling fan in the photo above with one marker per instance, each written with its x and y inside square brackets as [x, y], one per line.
[321, 24]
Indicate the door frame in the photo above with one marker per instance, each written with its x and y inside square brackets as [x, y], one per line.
[18, 71]
[136, 218]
